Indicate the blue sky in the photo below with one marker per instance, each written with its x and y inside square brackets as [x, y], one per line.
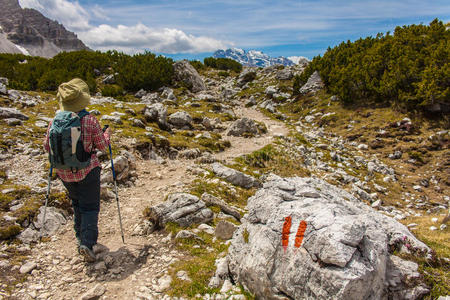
[196, 28]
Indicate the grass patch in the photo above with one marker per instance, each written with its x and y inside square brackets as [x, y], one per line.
[199, 264]
[230, 194]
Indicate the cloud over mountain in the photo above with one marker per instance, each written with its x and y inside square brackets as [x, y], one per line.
[130, 39]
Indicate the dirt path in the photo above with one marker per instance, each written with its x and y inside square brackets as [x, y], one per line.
[139, 265]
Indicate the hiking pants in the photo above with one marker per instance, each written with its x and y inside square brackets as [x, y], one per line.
[85, 196]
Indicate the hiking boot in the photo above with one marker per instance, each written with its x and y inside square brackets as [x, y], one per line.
[87, 253]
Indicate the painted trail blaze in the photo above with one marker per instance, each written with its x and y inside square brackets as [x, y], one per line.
[300, 234]
[286, 231]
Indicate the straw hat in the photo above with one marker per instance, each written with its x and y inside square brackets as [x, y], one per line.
[73, 95]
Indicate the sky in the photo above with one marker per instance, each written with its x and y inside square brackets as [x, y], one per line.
[196, 28]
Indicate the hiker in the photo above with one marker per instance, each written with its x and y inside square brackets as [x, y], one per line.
[83, 181]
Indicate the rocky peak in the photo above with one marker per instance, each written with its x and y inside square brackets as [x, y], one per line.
[34, 33]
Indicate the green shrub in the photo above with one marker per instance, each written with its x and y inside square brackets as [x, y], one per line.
[112, 90]
[225, 64]
[197, 65]
[410, 68]
[223, 74]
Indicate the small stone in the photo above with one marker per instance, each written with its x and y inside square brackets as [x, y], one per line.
[433, 228]
[183, 275]
[27, 268]
[163, 283]
[376, 204]
[434, 220]
[417, 188]
[226, 287]
[443, 226]
[225, 230]
[94, 293]
[101, 267]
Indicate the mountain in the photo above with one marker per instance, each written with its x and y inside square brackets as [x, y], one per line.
[27, 31]
[253, 58]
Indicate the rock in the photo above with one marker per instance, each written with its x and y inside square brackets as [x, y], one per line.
[183, 275]
[433, 228]
[251, 101]
[210, 200]
[4, 80]
[156, 113]
[206, 228]
[94, 293]
[225, 230]
[13, 122]
[396, 155]
[138, 123]
[190, 153]
[114, 119]
[269, 105]
[184, 72]
[404, 271]
[163, 283]
[189, 235]
[243, 126]
[270, 91]
[3, 89]
[235, 177]
[100, 267]
[180, 119]
[309, 119]
[168, 94]
[246, 76]
[376, 204]
[181, 208]
[363, 147]
[141, 93]
[27, 267]
[313, 85]
[28, 236]
[54, 219]
[151, 98]
[442, 227]
[109, 79]
[285, 74]
[342, 248]
[8, 113]
[226, 287]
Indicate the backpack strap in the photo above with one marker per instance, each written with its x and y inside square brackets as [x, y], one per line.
[83, 113]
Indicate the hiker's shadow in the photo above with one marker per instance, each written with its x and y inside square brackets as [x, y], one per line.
[117, 265]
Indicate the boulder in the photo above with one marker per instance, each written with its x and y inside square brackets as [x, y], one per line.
[285, 74]
[114, 119]
[141, 93]
[28, 236]
[306, 239]
[13, 122]
[7, 113]
[210, 200]
[109, 79]
[181, 208]
[151, 98]
[54, 219]
[243, 126]
[235, 177]
[270, 91]
[156, 113]
[180, 119]
[313, 85]
[225, 230]
[188, 76]
[168, 94]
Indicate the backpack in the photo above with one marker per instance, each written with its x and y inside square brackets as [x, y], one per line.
[66, 147]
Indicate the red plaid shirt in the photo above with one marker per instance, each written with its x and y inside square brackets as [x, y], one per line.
[93, 138]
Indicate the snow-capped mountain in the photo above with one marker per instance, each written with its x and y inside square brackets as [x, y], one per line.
[252, 58]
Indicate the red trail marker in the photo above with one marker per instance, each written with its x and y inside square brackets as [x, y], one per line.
[286, 231]
[300, 234]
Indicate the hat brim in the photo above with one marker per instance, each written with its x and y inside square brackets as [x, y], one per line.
[77, 104]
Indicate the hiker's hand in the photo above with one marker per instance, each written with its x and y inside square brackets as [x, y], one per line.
[107, 133]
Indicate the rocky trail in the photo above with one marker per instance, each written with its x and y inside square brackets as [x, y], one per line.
[361, 174]
[139, 267]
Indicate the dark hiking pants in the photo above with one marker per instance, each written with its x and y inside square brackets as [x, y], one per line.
[85, 196]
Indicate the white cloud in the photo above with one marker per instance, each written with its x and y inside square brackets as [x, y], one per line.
[130, 39]
[137, 38]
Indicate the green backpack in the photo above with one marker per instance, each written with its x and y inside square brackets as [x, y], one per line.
[66, 147]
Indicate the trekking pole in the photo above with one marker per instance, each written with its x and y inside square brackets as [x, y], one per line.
[115, 187]
[48, 195]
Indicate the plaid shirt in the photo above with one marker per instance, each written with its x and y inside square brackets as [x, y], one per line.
[93, 138]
